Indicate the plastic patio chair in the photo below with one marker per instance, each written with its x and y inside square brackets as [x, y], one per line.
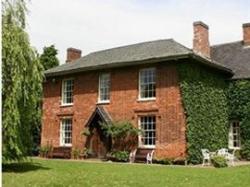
[206, 156]
[150, 157]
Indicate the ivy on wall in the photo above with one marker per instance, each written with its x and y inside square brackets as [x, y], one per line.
[205, 102]
[239, 107]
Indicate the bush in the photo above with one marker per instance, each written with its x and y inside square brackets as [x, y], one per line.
[164, 161]
[245, 150]
[76, 153]
[219, 162]
[120, 156]
[45, 150]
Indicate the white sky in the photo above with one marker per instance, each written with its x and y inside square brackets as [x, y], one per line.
[100, 24]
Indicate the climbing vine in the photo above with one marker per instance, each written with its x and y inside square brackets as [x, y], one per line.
[239, 109]
[205, 102]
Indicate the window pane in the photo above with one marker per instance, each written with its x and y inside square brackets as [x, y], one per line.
[104, 87]
[67, 89]
[148, 130]
[66, 131]
[147, 83]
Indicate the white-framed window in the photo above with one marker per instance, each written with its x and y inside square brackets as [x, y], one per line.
[66, 132]
[67, 91]
[147, 83]
[147, 125]
[234, 135]
[104, 87]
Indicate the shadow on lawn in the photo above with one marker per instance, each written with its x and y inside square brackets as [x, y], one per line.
[22, 167]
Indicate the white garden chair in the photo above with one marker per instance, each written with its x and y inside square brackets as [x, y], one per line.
[206, 156]
[132, 156]
[150, 157]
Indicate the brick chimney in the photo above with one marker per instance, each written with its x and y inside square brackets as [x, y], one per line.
[246, 33]
[201, 39]
[73, 54]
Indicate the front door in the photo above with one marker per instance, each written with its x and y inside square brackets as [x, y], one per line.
[98, 143]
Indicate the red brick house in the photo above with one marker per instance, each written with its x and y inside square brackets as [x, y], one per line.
[138, 83]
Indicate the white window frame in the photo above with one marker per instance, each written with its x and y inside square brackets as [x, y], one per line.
[62, 92]
[231, 135]
[139, 85]
[62, 132]
[99, 88]
[141, 144]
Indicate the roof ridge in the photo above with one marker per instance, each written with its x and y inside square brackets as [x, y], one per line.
[227, 43]
[128, 45]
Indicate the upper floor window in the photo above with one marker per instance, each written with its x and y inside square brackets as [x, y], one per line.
[234, 135]
[104, 87]
[147, 124]
[67, 91]
[66, 132]
[147, 83]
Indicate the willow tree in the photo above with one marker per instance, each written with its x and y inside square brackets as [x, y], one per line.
[21, 82]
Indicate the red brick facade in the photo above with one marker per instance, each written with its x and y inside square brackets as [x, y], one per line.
[124, 105]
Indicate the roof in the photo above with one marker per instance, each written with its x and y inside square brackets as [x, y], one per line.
[234, 55]
[103, 114]
[140, 53]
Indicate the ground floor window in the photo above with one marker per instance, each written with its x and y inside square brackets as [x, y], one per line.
[66, 132]
[234, 134]
[147, 136]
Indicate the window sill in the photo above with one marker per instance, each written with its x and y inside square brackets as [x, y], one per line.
[66, 145]
[147, 146]
[146, 99]
[103, 102]
[234, 148]
[66, 105]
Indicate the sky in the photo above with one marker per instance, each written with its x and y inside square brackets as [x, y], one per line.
[101, 24]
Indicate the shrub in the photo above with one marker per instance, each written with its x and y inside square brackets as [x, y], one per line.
[120, 156]
[179, 161]
[219, 162]
[76, 153]
[245, 150]
[164, 161]
[45, 151]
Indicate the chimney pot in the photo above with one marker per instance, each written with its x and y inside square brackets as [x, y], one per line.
[73, 54]
[246, 33]
[201, 39]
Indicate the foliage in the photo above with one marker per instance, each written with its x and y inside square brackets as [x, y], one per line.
[76, 153]
[48, 57]
[122, 133]
[164, 161]
[45, 151]
[245, 150]
[87, 152]
[21, 81]
[120, 156]
[219, 161]
[239, 107]
[46, 173]
[86, 132]
[205, 102]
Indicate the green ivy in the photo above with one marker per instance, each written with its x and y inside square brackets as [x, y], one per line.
[239, 107]
[205, 103]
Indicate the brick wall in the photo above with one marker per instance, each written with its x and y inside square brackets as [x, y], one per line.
[124, 105]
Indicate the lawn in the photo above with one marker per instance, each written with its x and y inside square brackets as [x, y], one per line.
[75, 173]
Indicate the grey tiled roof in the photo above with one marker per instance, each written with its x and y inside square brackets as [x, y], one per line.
[234, 55]
[141, 53]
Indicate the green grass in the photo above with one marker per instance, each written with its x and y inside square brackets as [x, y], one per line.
[70, 173]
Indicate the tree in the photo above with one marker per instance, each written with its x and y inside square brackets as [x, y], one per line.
[48, 58]
[22, 75]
